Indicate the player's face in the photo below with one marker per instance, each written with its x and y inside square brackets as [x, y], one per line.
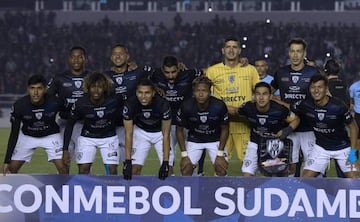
[318, 91]
[37, 93]
[145, 94]
[297, 54]
[119, 57]
[96, 91]
[261, 67]
[231, 50]
[170, 73]
[202, 93]
[262, 97]
[77, 61]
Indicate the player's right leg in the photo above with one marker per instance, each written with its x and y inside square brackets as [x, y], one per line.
[194, 151]
[23, 152]
[85, 153]
[15, 165]
[140, 150]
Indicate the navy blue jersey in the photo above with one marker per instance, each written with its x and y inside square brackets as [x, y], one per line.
[124, 84]
[69, 88]
[36, 120]
[261, 123]
[99, 120]
[328, 122]
[148, 117]
[204, 125]
[294, 86]
[339, 89]
[179, 91]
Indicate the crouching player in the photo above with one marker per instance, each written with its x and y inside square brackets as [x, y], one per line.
[36, 112]
[206, 118]
[270, 123]
[329, 117]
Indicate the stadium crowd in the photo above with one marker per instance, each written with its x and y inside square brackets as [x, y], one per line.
[32, 43]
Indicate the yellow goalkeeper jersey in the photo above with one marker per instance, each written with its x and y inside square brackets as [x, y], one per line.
[233, 85]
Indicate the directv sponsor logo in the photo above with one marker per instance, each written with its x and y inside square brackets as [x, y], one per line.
[325, 131]
[233, 98]
[294, 96]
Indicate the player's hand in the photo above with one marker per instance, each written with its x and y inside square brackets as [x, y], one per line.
[160, 91]
[127, 170]
[182, 66]
[5, 169]
[221, 165]
[352, 158]
[66, 158]
[243, 61]
[132, 66]
[164, 170]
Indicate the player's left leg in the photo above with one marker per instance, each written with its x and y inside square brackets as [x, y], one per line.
[53, 147]
[350, 170]
[220, 162]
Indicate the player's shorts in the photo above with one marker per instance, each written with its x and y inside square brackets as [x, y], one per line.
[319, 159]
[195, 151]
[120, 132]
[74, 137]
[142, 142]
[86, 149]
[173, 143]
[304, 141]
[26, 146]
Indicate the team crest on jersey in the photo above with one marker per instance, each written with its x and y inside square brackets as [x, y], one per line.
[100, 113]
[262, 121]
[321, 116]
[146, 114]
[38, 115]
[119, 80]
[203, 119]
[295, 79]
[78, 84]
[274, 147]
[170, 85]
[231, 78]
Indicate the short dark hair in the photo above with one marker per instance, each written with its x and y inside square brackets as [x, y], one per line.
[202, 80]
[169, 61]
[319, 77]
[231, 38]
[331, 67]
[95, 77]
[263, 84]
[77, 47]
[145, 82]
[298, 40]
[120, 46]
[35, 79]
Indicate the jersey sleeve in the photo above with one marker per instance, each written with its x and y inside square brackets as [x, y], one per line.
[14, 133]
[242, 110]
[166, 111]
[127, 112]
[275, 82]
[52, 87]
[180, 117]
[296, 107]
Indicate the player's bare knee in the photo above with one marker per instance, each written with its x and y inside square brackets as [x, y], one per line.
[136, 169]
[187, 170]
